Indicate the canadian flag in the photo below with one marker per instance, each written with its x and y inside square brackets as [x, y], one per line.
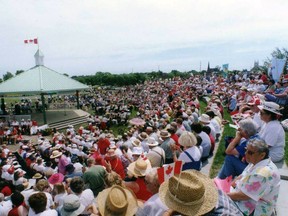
[168, 170]
[31, 41]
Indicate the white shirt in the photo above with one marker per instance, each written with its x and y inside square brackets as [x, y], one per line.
[5, 207]
[273, 134]
[59, 198]
[194, 153]
[257, 119]
[152, 207]
[86, 198]
[47, 212]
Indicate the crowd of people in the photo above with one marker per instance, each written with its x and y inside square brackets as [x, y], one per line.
[91, 171]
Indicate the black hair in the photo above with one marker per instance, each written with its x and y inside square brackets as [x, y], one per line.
[196, 127]
[17, 198]
[206, 129]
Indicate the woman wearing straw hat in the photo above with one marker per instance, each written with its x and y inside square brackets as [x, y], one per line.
[61, 160]
[272, 131]
[137, 171]
[193, 194]
[117, 201]
[257, 188]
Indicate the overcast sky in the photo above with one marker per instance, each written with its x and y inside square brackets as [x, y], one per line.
[120, 36]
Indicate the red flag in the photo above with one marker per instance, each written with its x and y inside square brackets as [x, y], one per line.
[168, 170]
[31, 41]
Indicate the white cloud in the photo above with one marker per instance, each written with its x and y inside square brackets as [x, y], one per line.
[112, 35]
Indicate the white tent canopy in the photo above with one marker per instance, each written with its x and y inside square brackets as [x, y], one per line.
[40, 79]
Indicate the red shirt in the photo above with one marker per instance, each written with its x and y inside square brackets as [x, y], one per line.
[103, 144]
[142, 193]
[6, 191]
[117, 166]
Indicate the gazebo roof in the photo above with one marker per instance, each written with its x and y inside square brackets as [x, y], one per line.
[40, 79]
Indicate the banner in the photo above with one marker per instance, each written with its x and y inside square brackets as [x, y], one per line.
[276, 68]
[225, 67]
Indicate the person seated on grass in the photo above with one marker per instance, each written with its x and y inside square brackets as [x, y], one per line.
[235, 162]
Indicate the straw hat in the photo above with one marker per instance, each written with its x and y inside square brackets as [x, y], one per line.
[204, 118]
[55, 154]
[56, 178]
[117, 201]
[187, 139]
[136, 143]
[37, 176]
[190, 193]
[271, 107]
[189, 112]
[140, 167]
[152, 142]
[164, 134]
[143, 136]
[72, 206]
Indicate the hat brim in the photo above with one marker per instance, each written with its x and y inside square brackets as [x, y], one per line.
[55, 156]
[153, 144]
[168, 135]
[204, 120]
[261, 107]
[131, 169]
[209, 202]
[74, 213]
[132, 202]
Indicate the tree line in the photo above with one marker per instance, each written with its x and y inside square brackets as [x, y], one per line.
[109, 79]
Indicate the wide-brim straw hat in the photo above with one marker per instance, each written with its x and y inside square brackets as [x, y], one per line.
[37, 176]
[117, 201]
[163, 134]
[190, 193]
[56, 154]
[271, 107]
[143, 136]
[204, 118]
[136, 143]
[140, 167]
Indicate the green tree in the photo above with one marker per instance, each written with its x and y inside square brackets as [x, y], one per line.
[19, 72]
[7, 76]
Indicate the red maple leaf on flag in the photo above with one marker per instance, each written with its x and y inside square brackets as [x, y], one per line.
[169, 170]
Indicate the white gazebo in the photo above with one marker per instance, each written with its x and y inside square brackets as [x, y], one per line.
[40, 80]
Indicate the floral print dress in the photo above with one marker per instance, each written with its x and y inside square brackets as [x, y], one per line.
[261, 183]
